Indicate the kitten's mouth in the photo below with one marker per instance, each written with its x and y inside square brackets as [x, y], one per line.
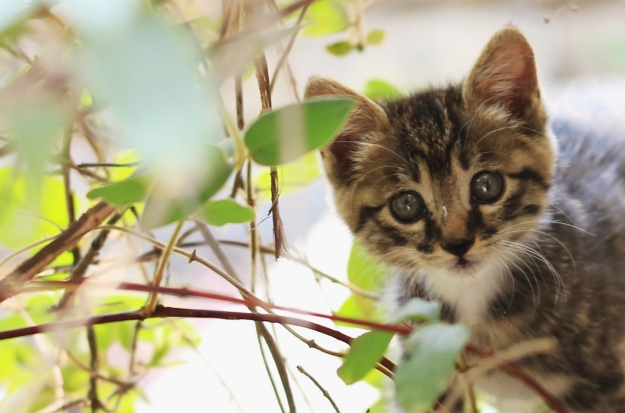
[462, 264]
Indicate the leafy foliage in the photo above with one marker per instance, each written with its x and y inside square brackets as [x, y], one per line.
[115, 114]
[283, 135]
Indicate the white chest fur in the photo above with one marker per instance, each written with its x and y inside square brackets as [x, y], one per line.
[468, 295]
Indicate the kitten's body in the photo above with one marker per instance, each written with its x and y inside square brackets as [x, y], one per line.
[466, 194]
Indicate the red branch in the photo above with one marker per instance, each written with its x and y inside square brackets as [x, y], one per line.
[168, 312]
[386, 365]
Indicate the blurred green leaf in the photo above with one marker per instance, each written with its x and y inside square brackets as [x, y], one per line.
[34, 127]
[363, 270]
[236, 57]
[125, 157]
[292, 177]
[365, 352]
[381, 406]
[162, 208]
[325, 17]
[378, 89]
[226, 211]
[417, 309]
[11, 12]
[23, 221]
[375, 37]
[340, 48]
[285, 134]
[167, 113]
[358, 307]
[425, 371]
[126, 332]
[122, 193]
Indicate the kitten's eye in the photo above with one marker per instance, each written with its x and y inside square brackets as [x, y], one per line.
[407, 206]
[486, 186]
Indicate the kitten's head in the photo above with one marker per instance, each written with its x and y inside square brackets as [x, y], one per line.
[445, 179]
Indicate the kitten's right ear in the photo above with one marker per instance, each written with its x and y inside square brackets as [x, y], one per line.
[505, 75]
[368, 118]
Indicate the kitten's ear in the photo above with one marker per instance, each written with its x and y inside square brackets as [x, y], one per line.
[367, 119]
[505, 75]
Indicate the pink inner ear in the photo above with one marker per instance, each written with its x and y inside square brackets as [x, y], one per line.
[508, 77]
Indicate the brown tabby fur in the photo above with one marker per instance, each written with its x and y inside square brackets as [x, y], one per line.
[535, 270]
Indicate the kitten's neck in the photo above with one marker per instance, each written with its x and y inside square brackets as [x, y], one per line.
[469, 298]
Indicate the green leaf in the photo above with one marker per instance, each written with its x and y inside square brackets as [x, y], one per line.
[285, 134]
[125, 157]
[122, 193]
[226, 211]
[165, 206]
[34, 126]
[419, 310]
[155, 93]
[363, 355]
[11, 12]
[340, 48]
[358, 307]
[325, 17]
[378, 89]
[375, 37]
[426, 369]
[23, 220]
[292, 177]
[363, 270]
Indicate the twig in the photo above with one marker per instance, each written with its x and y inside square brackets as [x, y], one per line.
[81, 268]
[468, 385]
[160, 268]
[62, 406]
[107, 165]
[70, 237]
[318, 272]
[69, 196]
[93, 379]
[260, 336]
[262, 75]
[323, 391]
[260, 328]
[169, 312]
[289, 47]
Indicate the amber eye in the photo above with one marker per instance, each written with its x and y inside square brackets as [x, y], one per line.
[407, 206]
[486, 187]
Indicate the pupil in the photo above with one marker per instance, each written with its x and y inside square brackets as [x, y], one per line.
[487, 186]
[407, 206]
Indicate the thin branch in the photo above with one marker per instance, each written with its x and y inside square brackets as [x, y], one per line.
[318, 272]
[81, 268]
[320, 387]
[160, 268]
[69, 195]
[289, 47]
[263, 332]
[63, 406]
[65, 241]
[93, 379]
[169, 312]
[107, 165]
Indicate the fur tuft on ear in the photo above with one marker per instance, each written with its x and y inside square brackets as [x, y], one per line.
[367, 119]
[505, 75]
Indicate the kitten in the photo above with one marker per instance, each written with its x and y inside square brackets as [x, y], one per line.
[466, 193]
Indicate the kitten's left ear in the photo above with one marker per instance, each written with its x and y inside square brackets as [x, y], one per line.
[505, 75]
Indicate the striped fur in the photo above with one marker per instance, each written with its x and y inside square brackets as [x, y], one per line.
[529, 271]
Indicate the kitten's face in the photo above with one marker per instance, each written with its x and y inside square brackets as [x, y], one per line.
[447, 179]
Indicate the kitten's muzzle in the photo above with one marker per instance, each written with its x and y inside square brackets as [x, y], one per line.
[458, 246]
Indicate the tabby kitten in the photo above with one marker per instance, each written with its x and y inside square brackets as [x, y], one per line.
[466, 193]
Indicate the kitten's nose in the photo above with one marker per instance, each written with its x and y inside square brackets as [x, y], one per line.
[458, 246]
